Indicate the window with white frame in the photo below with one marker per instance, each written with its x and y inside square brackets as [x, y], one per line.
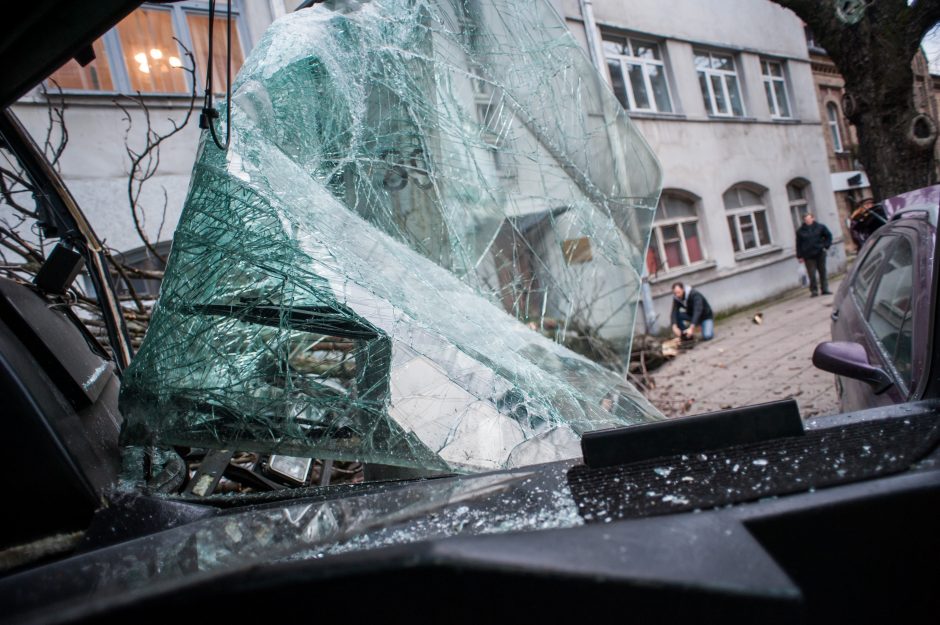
[775, 87]
[832, 111]
[798, 195]
[718, 79]
[675, 240]
[142, 54]
[637, 74]
[747, 218]
[496, 120]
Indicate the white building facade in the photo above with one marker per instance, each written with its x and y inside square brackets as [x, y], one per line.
[724, 93]
[138, 64]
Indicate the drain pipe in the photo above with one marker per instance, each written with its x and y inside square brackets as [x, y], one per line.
[590, 30]
[646, 303]
[596, 53]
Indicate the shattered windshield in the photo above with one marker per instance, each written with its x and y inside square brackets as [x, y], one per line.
[419, 202]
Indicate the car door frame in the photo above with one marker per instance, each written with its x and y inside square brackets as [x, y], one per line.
[857, 395]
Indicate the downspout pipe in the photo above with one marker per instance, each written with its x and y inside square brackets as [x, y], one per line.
[646, 303]
[596, 53]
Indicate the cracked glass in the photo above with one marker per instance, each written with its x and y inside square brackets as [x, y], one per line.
[421, 203]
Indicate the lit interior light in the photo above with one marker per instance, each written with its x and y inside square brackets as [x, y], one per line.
[156, 53]
[144, 68]
[174, 61]
[141, 58]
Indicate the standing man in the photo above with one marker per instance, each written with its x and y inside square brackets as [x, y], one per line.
[812, 242]
[690, 310]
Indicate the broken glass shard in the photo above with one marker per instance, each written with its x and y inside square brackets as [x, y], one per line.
[420, 202]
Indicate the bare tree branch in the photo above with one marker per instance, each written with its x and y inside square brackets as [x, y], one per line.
[119, 267]
[7, 192]
[145, 274]
[56, 119]
[18, 194]
[873, 44]
[21, 246]
[146, 162]
[924, 15]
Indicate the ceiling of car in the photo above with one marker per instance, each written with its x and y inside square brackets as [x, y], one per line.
[37, 37]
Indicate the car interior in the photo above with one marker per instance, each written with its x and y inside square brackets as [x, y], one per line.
[746, 514]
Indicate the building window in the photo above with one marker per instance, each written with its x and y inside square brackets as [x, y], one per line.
[637, 74]
[145, 52]
[747, 218]
[891, 315]
[675, 240]
[138, 258]
[798, 194]
[811, 42]
[718, 79]
[775, 88]
[833, 112]
[496, 124]
[96, 76]
[151, 58]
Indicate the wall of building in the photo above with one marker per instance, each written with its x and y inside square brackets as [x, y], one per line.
[829, 86]
[760, 25]
[700, 154]
[704, 155]
[769, 155]
[96, 169]
[848, 179]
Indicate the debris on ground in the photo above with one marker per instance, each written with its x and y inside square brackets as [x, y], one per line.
[671, 348]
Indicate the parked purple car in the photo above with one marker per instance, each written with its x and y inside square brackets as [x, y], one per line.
[881, 312]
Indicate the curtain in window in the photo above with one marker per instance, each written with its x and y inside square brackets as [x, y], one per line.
[151, 55]
[96, 76]
[199, 31]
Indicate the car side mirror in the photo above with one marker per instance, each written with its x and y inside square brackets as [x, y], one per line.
[851, 361]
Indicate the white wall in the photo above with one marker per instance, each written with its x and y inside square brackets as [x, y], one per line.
[756, 24]
[698, 154]
[706, 156]
[746, 289]
[95, 166]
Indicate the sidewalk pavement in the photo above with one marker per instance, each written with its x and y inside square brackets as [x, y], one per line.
[747, 363]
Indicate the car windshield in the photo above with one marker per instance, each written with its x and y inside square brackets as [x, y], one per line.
[419, 203]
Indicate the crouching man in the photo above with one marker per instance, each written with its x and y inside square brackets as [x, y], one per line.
[690, 311]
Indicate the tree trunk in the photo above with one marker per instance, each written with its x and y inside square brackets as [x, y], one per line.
[895, 141]
[895, 158]
[873, 45]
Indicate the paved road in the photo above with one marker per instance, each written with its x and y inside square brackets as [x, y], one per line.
[747, 363]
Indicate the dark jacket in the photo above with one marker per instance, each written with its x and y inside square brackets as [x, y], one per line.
[812, 240]
[694, 305]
